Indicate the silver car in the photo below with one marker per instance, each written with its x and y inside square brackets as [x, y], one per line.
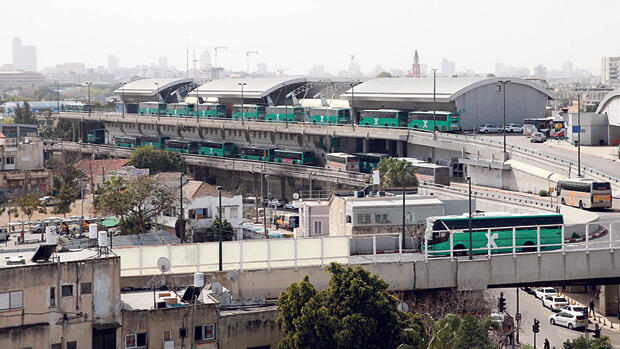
[538, 137]
[488, 128]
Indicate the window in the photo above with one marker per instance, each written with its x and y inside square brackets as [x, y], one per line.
[72, 345]
[167, 335]
[11, 300]
[136, 340]
[191, 214]
[381, 218]
[52, 296]
[363, 218]
[9, 160]
[67, 290]
[317, 227]
[234, 212]
[57, 346]
[86, 288]
[204, 333]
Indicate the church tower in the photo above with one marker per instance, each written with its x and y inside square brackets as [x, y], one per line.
[415, 69]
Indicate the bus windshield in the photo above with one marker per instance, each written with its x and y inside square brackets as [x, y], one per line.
[601, 186]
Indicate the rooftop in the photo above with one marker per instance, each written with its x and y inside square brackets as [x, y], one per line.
[253, 88]
[99, 167]
[149, 87]
[143, 299]
[70, 256]
[397, 201]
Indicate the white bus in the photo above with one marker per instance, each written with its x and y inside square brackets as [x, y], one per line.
[584, 193]
[430, 173]
[342, 162]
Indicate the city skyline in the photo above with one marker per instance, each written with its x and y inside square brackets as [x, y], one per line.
[475, 35]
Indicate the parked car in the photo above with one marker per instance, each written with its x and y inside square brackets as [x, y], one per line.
[47, 200]
[276, 203]
[576, 310]
[528, 290]
[555, 303]
[4, 234]
[568, 320]
[488, 128]
[538, 137]
[559, 134]
[540, 293]
[37, 228]
[510, 128]
[289, 206]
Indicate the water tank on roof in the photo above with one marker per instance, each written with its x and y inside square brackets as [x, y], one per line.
[103, 239]
[92, 231]
[51, 238]
[199, 279]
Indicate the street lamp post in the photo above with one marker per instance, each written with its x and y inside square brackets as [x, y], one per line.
[242, 107]
[158, 111]
[286, 108]
[89, 106]
[57, 98]
[434, 96]
[579, 136]
[471, 256]
[219, 228]
[404, 224]
[353, 116]
[503, 88]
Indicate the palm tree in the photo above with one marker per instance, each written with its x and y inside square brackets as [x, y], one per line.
[397, 173]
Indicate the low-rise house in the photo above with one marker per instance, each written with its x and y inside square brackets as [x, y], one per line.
[313, 218]
[99, 171]
[22, 166]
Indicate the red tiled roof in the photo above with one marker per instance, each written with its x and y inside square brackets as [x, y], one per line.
[96, 167]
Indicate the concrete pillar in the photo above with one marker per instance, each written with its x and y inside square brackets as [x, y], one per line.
[608, 300]
[283, 187]
[387, 146]
[74, 131]
[400, 148]
[365, 145]
[19, 133]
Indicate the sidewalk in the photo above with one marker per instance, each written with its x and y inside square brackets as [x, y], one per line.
[607, 322]
[604, 152]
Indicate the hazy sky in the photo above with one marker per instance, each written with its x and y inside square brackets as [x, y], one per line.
[297, 35]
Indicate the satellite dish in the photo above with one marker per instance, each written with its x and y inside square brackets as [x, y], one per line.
[295, 196]
[163, 264]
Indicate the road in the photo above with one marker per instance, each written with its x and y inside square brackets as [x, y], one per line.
[531, 308]
[604, 165]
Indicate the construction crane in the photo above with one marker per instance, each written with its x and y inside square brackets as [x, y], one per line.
[247, 55]
[216, 49]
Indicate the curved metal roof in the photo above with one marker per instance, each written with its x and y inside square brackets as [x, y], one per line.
[253, 88]
[421, 89]
[148, 87]
[608, 97]
[495, 80]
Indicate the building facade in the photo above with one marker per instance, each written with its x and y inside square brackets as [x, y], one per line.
[22, 167]
[610, 67]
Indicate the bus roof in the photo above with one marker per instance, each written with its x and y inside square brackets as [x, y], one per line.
[341, 154]
[492, 215]
[431, 113]
[383, 110]
[372, 154]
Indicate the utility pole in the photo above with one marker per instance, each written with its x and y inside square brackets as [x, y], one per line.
[502, 86]
[242, 107]
[219, 228]
[404, 204]
[123, 96]
[57, 98]
[157, 96]
[181, 219]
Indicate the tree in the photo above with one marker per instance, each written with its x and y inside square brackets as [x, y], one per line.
[392, 172]
[23, 114]
[355, 311]
[156, 160]
[228, 231]
[473, 333]
[137, 203]
[384, 74]
[582, 343]
[29, 204]
[67, 194]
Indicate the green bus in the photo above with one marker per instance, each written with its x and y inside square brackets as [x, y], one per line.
[330, 116]
[383, 118]
[211, 111]
[155, 141]
[444, 121]
[127, 142]
[224, 149]
[369, 161]
[96, 136]
[494, 231]
[152, 108]
[260, 154]
[294, 157]
[250, 112]
[284, 113]
[78, 107]
[183, 147]
[180, 109]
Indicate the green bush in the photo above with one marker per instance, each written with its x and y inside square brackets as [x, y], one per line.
[543, 192]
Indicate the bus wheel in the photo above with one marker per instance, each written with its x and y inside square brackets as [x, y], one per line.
[436, 128]
[529, 249]
[386, 125]
[459, 250]
[415, 126]
[314, 122]
[580, 205]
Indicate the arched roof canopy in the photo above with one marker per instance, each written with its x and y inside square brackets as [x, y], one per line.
[608, 97]
[255, 90]
[146, 89]
[610, 105]
[495, 80]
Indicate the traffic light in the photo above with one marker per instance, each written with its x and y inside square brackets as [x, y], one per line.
[536, 326]
[501, 304]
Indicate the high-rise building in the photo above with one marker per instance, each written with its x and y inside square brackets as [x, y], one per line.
[448, 68]
[112, 63]
[540, 71]
[609, 70]
[205, 59]
[24, 56]
[415, 68]
[317, 70]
